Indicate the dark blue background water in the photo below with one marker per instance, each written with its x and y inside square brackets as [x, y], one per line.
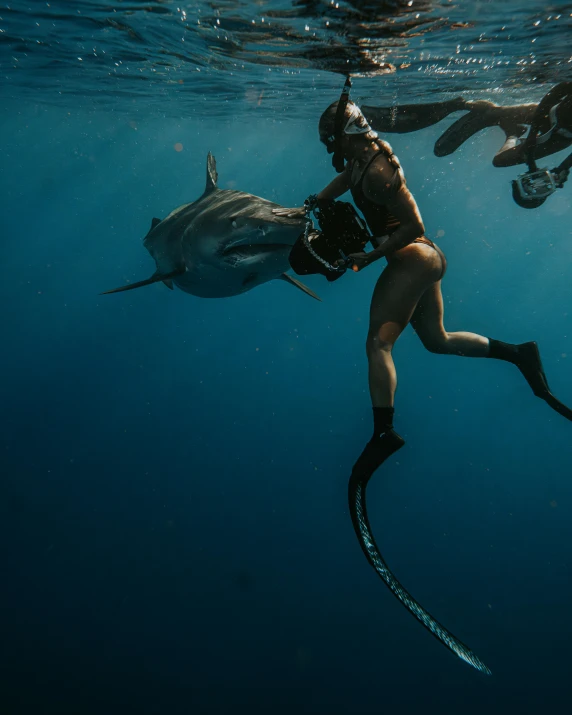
[175, 531]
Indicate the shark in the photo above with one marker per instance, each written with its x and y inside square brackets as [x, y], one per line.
[223, 244]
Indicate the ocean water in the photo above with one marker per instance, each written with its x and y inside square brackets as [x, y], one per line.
[176, 537]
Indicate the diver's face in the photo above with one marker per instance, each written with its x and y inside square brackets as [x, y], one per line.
[329, 141]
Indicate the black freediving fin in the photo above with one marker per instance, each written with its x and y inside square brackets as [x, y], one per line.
[480, 116]
[300, 285]
[375, 453]
[155, 278]
[529, 363]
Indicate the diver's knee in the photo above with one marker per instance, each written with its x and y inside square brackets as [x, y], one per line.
[438, 344]
[375, 344]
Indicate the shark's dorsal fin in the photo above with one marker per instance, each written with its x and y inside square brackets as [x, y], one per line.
[154, 223]
[300, 285]
[155, 278]
[212, 175]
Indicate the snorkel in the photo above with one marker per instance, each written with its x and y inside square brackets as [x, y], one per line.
[345, 123]
[338, 156]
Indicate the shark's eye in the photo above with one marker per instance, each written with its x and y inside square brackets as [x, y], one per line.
[233, 223]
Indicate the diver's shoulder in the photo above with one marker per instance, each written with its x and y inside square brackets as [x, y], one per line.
[379, 173]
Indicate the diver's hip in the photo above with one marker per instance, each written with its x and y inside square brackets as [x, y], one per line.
[414, 252]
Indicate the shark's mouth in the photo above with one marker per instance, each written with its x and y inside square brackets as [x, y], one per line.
[240, 253]
[260, 237]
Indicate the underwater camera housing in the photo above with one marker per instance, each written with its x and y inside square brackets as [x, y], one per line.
[342, 231]
[533, 188]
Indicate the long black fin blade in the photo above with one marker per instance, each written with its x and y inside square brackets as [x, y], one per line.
[300, 285]
[530, 364]
[558, 406]
[155, 278]
[358, 512]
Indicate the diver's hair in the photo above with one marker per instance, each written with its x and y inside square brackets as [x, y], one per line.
[328, 120]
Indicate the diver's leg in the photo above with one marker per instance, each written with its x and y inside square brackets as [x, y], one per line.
[513, 118]
[394, 300]
[410, 117]
[526, 358]
[404, 281]
[512, 153]
[427, 321]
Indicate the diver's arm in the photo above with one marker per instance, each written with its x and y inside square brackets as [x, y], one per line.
[550, 100]
[403, 206]
[335, 188]
[556, 94]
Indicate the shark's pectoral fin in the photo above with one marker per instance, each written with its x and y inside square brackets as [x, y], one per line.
[155, 278]
[300, 285]
[169, 283]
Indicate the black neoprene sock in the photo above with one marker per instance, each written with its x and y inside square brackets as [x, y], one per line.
[503, 351]
[382, 420]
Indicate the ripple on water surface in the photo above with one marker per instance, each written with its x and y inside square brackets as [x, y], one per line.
[163, 54]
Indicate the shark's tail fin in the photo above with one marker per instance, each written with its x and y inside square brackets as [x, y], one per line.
[155, 278]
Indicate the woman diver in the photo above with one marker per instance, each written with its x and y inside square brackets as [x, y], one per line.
[549, 124]
[407, 291]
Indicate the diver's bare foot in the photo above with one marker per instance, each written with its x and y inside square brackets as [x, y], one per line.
[489, 111]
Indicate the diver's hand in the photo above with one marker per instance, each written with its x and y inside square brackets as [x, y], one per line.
[299, 212]
[560, 176]
[359, 261]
